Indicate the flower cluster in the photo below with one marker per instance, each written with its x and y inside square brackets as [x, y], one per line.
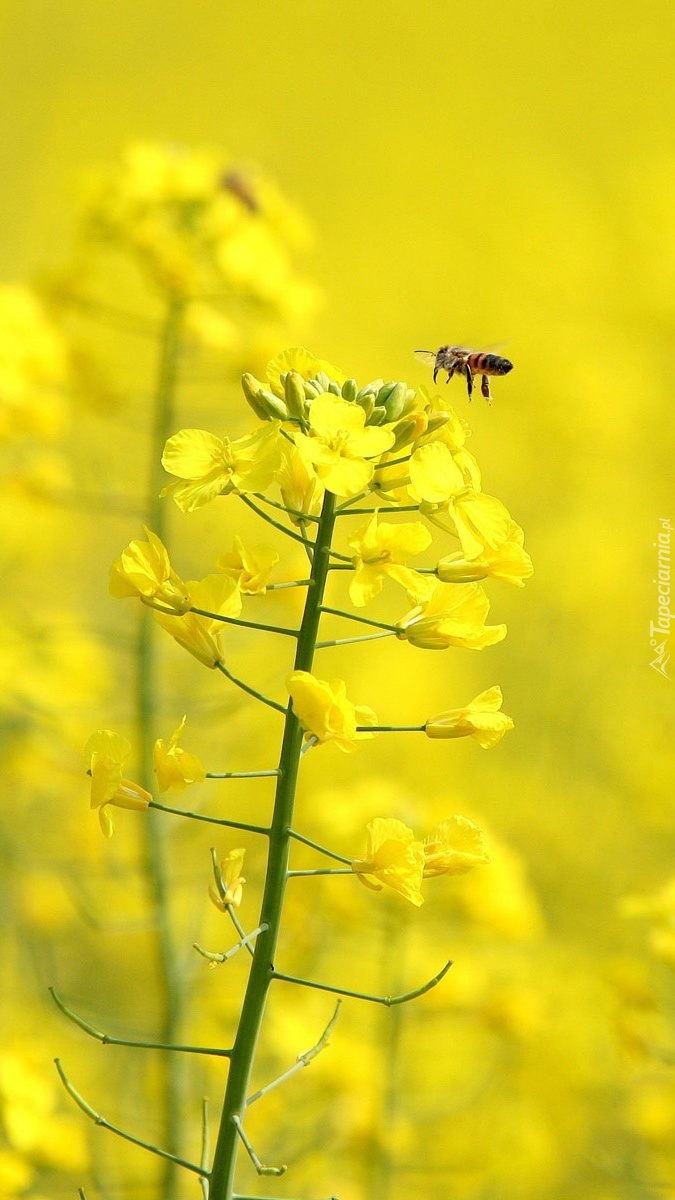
[321, 438]
[395, 859]
[196, 223]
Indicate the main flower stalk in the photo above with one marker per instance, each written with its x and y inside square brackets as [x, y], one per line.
[241, 1062]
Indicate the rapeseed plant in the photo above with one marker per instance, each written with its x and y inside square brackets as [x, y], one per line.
[326, 444]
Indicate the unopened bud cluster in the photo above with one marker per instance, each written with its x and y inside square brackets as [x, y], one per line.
[393, 404]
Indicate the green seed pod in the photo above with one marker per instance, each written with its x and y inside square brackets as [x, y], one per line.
[349, 390]
[395, 401]
[251, 388]
[378, 415]
[294, 391]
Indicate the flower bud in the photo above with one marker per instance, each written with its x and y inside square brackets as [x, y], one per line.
[294, 392]
[251, 387]
[385, 391]
[437, 420]
[349, 390]
[334, 388]
[367, 403]
[378, 416]
[322, 380]
[395, 401]
[409, 429]
[369, 389]
[454, 568]
[273, 408]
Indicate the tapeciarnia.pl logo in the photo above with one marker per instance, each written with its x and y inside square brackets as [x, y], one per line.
[659, 630]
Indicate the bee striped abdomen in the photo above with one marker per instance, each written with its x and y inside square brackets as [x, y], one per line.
[489, 364]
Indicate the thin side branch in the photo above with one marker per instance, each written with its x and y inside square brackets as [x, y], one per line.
[107, 1040]
[300, 837]
[251, 691]
[388, 1001]
[270, 520]
[195, 816]
[260, 1168]
[203, 612]
[215, 958]
[128, 1137]
[303, 1060]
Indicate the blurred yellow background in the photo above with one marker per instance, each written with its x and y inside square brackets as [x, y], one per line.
[472, 175]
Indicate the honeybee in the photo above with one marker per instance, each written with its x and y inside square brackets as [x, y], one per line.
[459, 360]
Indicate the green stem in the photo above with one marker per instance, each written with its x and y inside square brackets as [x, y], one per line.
[300, 837]
[366, 637]
[356, 512]
[321, 871]
[169, 966]
[202, 612]
[107, 1039]
[339, 612]
[245, 687]
[388, 1001]
[195, 816]
[270, 520]
[391, 728]
[128, 1137]
[242, 774]
[262, 968]
[292, 512]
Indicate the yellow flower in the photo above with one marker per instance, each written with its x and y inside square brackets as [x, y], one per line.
[175, 767]
[144, 570]
[201, 635]
[208, 466]
[230, 882]
[326, 713]
[481, 521]
[454, 615]
[105, 755]
[393, 858]
[454, 847]
[340, 444]
[250, 569]
[481, 720]
[438, 484]
[380, 551]
[509, 562]
[300, 360]
[300, 485]
[434, 474]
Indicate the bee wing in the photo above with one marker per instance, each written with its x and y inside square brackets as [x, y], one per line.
[428, 357]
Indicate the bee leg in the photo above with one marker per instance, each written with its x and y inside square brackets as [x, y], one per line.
[451, 371]
[469, 379]
[485, 388]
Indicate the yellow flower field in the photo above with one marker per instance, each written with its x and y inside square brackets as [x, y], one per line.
[239, 516]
